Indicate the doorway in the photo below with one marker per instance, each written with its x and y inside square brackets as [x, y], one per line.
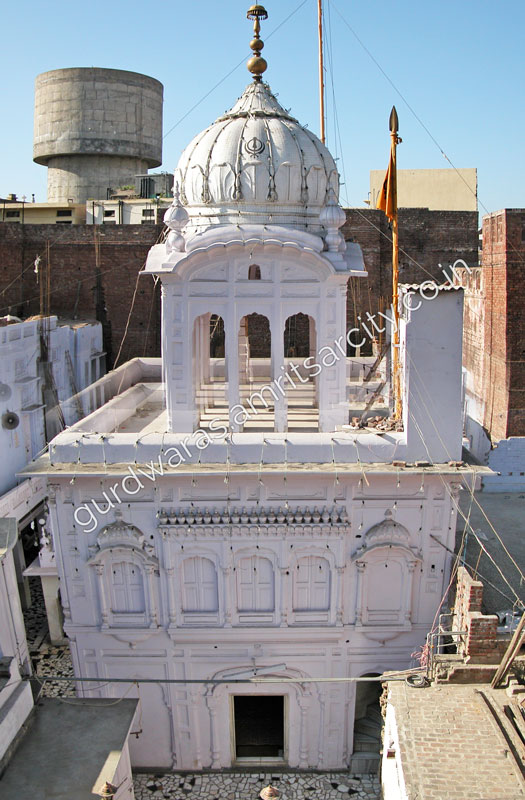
[367, 726]
[258, 728]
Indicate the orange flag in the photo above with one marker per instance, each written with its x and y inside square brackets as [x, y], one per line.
[386, 200]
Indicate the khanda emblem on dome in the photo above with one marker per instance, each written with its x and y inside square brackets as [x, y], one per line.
[255, 147]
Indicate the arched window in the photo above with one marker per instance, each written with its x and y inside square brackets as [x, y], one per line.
[385, 583]
[254, 272]
[126, 588]
[386, 566]
[199, 585]
[255, 584]
[311, 584]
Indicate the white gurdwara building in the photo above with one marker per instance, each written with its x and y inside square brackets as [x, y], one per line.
[217, 519]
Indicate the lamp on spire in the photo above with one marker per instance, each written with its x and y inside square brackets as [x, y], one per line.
[256, 64]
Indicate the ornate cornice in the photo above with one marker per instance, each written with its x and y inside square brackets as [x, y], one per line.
[189, 522]
[195, 531]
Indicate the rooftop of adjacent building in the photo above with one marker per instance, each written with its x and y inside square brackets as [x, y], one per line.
[454, 741]
[435, 189]
[70, 749]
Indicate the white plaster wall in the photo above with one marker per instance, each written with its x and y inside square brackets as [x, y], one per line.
[507, 459]
[392, 779]
[13, 642]
[16, 698]
[189, 726]
[126, 212]
[431, 348]
[21, 385]
[19, 350]
[16, 703]
[122, 777]
[479, 442]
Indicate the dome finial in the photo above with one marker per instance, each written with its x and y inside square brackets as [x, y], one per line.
[256, 64]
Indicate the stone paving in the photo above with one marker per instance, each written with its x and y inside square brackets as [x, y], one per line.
[51, 660]
[47, 659]
[247, 785]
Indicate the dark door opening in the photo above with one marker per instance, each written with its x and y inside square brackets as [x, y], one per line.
[259, 726]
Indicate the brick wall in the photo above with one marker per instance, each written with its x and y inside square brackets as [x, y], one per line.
[97, 280]
[91, 278]
[426, 240]
[480, 643]
[494, 335]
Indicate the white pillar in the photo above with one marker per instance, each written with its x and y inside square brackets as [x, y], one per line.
[231, 358]
[281, 410]
[53, 608]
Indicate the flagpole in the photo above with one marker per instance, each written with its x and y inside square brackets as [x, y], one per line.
[395, 139]
[321, 71]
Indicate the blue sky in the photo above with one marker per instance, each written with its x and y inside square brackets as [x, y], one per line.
[459, 65]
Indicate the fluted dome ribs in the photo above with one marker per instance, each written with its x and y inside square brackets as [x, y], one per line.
[256, 161]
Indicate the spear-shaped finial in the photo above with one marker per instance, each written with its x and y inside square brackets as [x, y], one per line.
[256, 64]
[393, 121]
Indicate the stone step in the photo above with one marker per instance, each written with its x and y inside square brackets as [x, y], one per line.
[366, 747]
[364, 763]
[373, 713]
[367, 737]
[258, 383]
[306, 426]
[292, 399]
[293, 413]
[368, 726]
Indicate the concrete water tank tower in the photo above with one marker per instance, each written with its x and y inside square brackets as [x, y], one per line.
[95, 129]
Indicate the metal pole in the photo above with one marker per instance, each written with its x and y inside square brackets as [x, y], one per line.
[321, 70]
[510, 654]
[394, 124]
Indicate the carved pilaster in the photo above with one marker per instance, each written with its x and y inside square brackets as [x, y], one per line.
[285, 596]
[104, 605]
[152, 600]
[359, 592]
[194, 699]
[227, 581]
[211, 702]
[339, 573]
[172, 597]
[304, 705]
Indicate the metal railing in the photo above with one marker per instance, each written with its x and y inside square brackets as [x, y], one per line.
[434, 642]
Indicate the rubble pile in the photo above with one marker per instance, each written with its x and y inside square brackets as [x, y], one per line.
[376, 423]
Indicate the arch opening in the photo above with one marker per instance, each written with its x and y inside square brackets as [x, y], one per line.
[208, 367]
[254, 272]
[367, 726]
[299, 345]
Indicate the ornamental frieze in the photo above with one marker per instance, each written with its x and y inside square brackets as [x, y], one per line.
[323, 521]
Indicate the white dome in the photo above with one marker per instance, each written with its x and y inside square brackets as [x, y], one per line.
[257, 164]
